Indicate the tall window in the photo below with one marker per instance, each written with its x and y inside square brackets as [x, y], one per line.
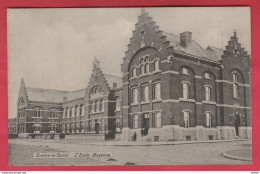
[185, 90]
[81, 110]
[134, 95]
[235, 85]
[118, 124]
[37, 112]
[91, 107]
[157, 91]
[134, 72]
[101, 105]
[144, 65]
[186, 115]
[68, 112]
[117, 103]
[158, 119]
[95, 105]
[208, 119]
[76, 110]
[208, 93]
[142, 69]
[136, 121]
[156, 65]
[53, 113]
[145, 93]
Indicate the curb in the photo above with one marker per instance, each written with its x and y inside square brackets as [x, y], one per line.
[225, 154]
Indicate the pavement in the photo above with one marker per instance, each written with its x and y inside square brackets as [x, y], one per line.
[128, 153]
[239, 154]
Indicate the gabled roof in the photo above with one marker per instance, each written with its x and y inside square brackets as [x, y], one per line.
[113, 79]
[52, 95]
[193, 48]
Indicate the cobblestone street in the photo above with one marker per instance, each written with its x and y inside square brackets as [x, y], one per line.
[197, 153]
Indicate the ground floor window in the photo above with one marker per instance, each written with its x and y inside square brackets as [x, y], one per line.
[135, 121]
[118, 126]
[186, 115]
[158, 119]
[208, 119]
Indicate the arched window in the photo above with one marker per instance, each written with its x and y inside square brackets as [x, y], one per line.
[101, 105]
[156, 65]
[76, 110]
[81, 110]
[142, 69]
[134, 72]
[146, 68]
[235, 84]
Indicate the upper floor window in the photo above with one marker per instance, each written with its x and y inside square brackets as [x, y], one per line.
[185, 71]
[134, 72]
[208, 93]
[157, 91]
[134, 95]
[81, 110]
[95, 90]
[91, 107]
[207, 75]
[101, 105]
[68, 112]
[96, 106]
[76, 110]
[37, 112]
[186, 115]
[208, 119]
[144, 65]
[156, 65]
[117, 103]
[145, 93]
[53, 113]
[235, 85]
[185, 90]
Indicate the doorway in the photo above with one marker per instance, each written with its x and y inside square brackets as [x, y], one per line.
[237, 124]
[96, 126]
[146, 124]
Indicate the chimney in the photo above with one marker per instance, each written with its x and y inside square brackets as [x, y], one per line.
[185, 38]
[114, 85]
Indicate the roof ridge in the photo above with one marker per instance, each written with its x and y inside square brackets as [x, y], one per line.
[55, 89]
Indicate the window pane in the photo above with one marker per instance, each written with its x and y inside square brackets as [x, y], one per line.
[185, 90]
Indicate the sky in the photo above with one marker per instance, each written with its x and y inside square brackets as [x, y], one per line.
[54, 48]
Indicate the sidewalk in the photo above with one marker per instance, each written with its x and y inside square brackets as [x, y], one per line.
[239, 154]
[129, 143]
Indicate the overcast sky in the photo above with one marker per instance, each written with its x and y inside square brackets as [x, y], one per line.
[54, 48]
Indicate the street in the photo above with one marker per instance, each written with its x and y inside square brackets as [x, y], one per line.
[21, 153]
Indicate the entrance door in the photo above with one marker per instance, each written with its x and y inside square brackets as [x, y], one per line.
[237, 124]
[146, 124]
[96, 126]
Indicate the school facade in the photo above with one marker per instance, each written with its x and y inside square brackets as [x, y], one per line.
[171, 89]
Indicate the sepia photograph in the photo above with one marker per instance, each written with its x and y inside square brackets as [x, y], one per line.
[129, 86]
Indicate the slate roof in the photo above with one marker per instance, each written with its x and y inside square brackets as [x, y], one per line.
[113, 79]
[194, 48]
[52, 95]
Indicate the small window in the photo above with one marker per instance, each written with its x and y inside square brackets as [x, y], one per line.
[142, 60]
[207, 75]
[146, 68]
[156, 138]
[210, 137]
[188, 138]
[142, 69]
[146, 58]
[185, 71]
